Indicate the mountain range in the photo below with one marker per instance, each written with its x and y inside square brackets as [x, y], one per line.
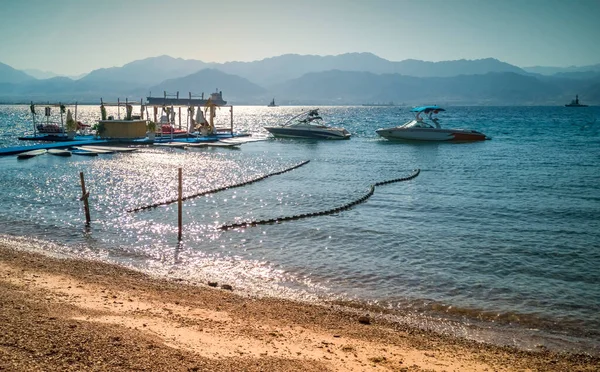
[351, 78]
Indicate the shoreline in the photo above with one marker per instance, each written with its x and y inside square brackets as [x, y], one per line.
[60, 314]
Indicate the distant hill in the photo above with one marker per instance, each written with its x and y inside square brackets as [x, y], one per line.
[146, 72]
[581, 75]
[209, 80]
[547, 70]
[39, 74]
[417, 68]
[337, 87]
[272, 71]
[275, 70]
[13, 76]
[351, 78]
[66, 90]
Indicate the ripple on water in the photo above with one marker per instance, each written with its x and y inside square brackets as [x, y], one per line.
[498, 235]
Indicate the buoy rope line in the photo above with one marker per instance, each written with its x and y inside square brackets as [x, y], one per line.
[321, 213]
[213, 191]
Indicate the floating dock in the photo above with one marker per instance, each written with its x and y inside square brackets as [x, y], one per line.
[90, 141]
[46, 146]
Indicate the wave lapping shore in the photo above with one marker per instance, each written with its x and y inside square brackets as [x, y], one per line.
[64, 314]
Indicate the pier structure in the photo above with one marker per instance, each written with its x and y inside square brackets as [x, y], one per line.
[201, 113]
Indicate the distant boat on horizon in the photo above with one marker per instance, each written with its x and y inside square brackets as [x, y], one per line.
[272, 104]
[575, 103]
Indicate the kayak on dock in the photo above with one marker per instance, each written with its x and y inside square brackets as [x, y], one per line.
[59, 152]
[31, 154]
[84, 153]
[92, 149]
[109, 148]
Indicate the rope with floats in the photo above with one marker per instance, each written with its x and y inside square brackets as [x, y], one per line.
[213, 191]
[362, 199]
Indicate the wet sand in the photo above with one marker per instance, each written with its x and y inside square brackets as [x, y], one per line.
[58, 314]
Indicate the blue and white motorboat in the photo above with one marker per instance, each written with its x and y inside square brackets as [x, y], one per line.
[308, 124]
[420, 129]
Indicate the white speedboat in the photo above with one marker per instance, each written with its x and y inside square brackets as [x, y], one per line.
[308, 124]
[420, 129]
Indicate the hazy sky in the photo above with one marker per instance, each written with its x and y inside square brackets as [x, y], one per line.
[76, 36]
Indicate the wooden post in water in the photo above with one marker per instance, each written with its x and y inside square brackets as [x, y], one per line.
[32, 108]
[179, 205]
[84, 196]
[62, 124]
[231, 118]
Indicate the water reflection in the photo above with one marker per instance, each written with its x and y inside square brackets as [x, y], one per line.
[477, 215]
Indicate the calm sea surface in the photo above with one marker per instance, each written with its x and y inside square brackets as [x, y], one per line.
[496, 241]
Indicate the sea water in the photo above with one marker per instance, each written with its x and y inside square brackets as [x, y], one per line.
[496, 241]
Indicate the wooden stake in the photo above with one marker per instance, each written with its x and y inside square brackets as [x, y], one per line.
[179, 204]
[84, 196]
[231, 118]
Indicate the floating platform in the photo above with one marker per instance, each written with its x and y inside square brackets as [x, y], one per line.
[196, 139]
[47, 146]
[92, 141]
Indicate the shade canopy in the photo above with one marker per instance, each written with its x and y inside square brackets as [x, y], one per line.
[427, 109]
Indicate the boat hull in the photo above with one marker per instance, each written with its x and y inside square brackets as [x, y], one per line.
[308, 133]
[84, 153]
[93, 149]
[59, 152]
[431, 135]
[31, 154]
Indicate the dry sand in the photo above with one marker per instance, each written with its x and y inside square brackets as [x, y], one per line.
[82, 315]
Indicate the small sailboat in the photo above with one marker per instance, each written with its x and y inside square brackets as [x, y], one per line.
[272, 104]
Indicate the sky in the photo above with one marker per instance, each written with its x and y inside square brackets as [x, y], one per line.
[77, 36]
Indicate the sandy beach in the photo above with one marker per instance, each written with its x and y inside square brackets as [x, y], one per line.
[59, 314]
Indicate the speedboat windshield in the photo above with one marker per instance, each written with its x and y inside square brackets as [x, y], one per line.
[311, 117]
[417, 124]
